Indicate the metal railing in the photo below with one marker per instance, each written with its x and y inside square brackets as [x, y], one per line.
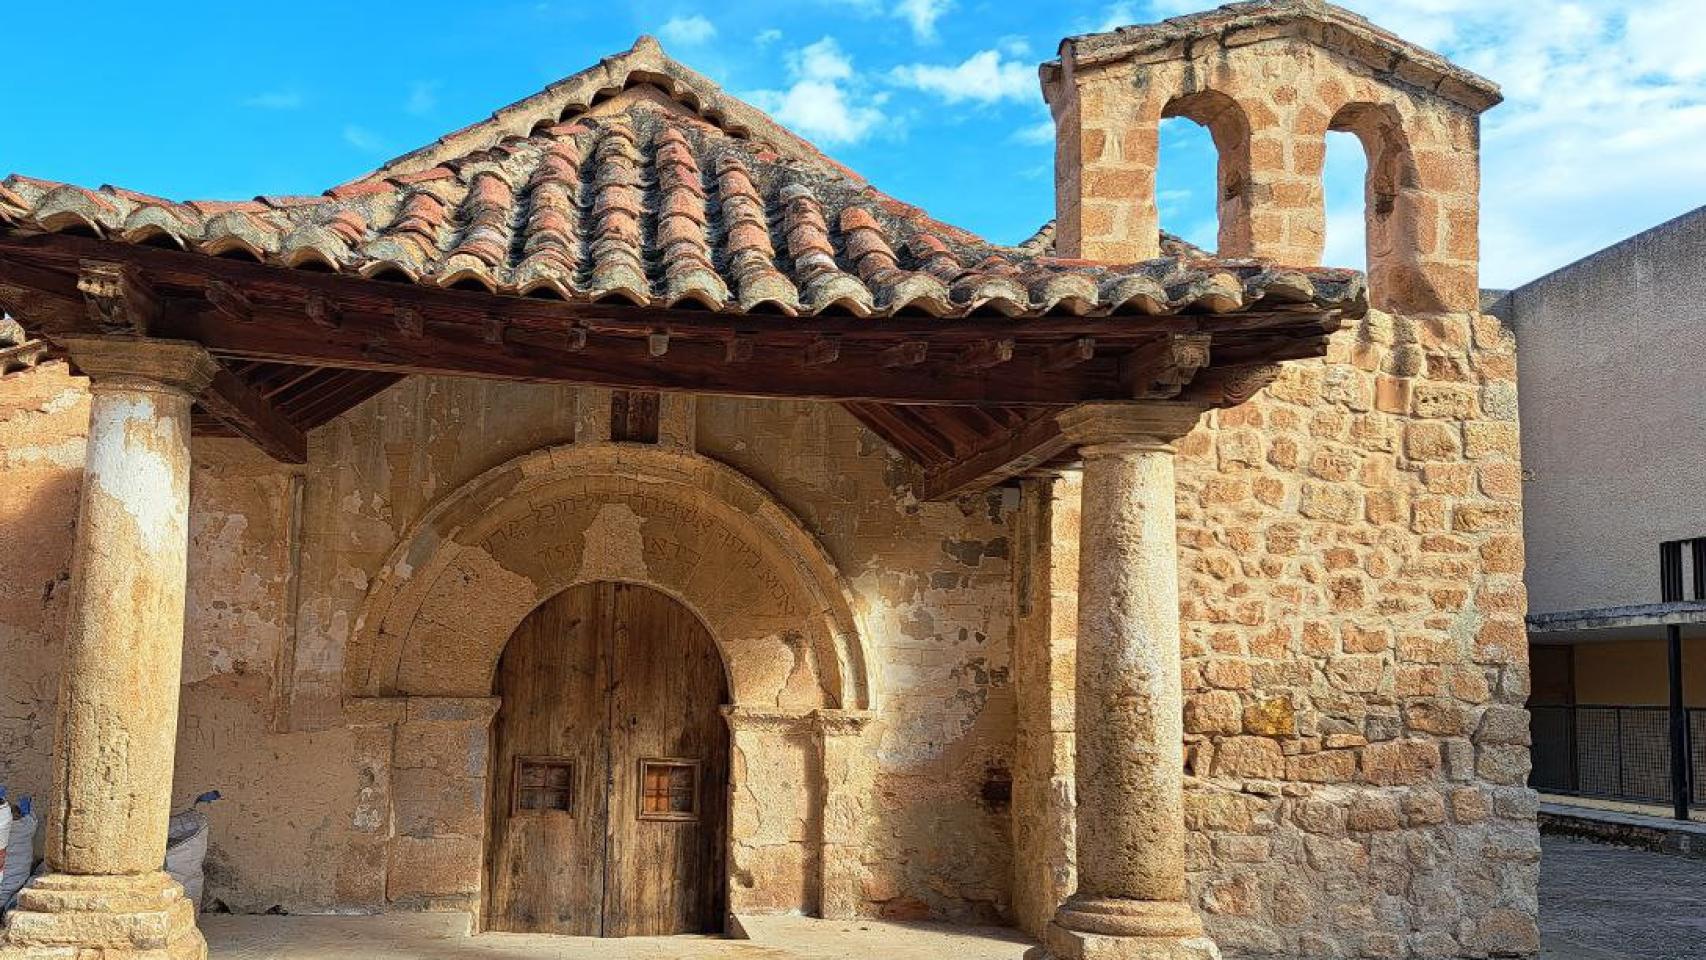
[1612, 752]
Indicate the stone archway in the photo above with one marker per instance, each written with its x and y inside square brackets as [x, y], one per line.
[419, 668]
[442, 607]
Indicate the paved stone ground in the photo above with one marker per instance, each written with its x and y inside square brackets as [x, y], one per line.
[1600, 902]
[1597, 902]
[441, 937]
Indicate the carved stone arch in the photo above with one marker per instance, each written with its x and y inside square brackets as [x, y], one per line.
[1396, 222]
[1228, 123]
[419, 668]
[445, 603]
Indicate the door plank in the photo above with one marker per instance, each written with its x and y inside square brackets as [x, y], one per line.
[666, 876]
[546, 868]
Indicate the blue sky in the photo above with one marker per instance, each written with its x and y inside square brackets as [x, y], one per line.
[935, 101]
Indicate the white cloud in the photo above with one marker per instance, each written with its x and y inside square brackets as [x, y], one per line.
[1118, 15]
[688, 31]
[423, 98]
[275, 100]
[922, 16]
[1037, 133]
[1601, 131]
[767, 37]
[826, 101]
[363, 139]
[984, 77]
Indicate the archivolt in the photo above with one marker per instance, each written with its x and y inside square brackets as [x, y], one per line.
[445, 603]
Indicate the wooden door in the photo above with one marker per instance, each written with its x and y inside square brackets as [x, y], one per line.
[609, 796]
[669, 763]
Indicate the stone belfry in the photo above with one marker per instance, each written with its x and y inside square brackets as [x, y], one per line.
[1269, 80]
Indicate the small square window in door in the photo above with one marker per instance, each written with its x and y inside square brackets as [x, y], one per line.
[669, 790]
[542, 785]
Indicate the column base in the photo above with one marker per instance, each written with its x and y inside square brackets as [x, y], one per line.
[1092, 928]
[1063, 944]
[141, 917]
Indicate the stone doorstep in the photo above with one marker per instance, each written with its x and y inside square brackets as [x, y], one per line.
[1658, 834]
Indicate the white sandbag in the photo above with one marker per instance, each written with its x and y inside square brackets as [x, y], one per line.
[20, 854]
[5, 833]
[186, 847]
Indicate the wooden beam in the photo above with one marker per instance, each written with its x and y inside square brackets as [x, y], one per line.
[1004, 456]
[821, 351]
[240, 407]
[987, 353]
[1069, 354]
[322, 312]
[181, 269]
[409, 322]
[907, 353]
[230, 301]
[737, 349]
[408, 329]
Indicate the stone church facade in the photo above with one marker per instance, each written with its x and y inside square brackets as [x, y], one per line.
[1238, 654]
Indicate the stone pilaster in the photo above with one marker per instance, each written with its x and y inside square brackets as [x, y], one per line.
[815, 863]
[846, 809]
[1130, 903]
[117, 723]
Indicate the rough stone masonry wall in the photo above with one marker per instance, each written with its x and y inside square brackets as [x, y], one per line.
[1355, 664]
[280, 559]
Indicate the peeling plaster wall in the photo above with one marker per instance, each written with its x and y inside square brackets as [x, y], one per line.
[930, 581]
[278, 577]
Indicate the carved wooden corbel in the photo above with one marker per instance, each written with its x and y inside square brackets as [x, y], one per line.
[1162, 370]
[118, 298]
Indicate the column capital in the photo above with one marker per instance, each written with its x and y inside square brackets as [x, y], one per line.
[1149, 423]
[178, 364]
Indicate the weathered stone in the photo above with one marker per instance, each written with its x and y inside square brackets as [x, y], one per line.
[1249, 757]
[1270, 718]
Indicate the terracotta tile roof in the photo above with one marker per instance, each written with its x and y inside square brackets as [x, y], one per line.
[664, 192]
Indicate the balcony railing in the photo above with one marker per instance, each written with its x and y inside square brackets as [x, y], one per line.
[1613, 752]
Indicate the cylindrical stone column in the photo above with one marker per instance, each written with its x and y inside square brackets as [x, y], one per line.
[117, 722]
[1130, 755]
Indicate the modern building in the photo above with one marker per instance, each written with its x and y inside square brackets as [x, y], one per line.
[1613, 428]
[617, 517]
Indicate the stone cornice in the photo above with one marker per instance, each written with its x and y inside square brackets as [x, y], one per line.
[178, 364]
[1147, 423]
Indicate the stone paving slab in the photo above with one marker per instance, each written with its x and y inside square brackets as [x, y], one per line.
[444, 937]
[1603, 902]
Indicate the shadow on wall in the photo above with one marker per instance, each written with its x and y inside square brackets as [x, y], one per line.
[43, 420]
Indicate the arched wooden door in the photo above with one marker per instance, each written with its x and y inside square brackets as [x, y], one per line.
[609, 778]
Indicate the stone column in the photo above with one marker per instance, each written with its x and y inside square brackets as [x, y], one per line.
[117, 724]
[1130, 903]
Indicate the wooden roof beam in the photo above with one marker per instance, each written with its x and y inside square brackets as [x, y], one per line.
[1003, 455]
[241, 407]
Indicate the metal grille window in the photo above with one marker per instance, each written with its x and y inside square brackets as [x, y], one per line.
[543, 785]
[669, 789]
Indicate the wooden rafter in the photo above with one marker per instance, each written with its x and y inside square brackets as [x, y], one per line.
[1003, 455]
[239, 406]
